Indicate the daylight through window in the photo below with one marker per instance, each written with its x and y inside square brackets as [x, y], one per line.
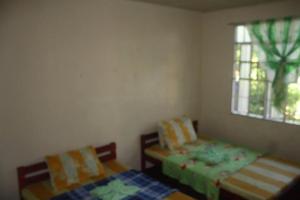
[251, 89]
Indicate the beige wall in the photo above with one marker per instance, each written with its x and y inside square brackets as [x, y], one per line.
[79, 72]
[216, 79]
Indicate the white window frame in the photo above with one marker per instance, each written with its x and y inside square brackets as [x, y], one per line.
[268, 111]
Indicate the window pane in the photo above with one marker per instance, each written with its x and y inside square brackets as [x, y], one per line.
[235, 93]
[261, 74]
[237, 52]
[257, 97]
[254, 73]
[240, 34]
[244, 88]
[254, 56]
[245, 52]
[243, 96]
[247, 36]
[243, 106]
[245, 70]
[236, 73]
[276, 115]
[292, 109]
[257, 73]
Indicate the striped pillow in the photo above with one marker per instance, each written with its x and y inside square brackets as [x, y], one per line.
[176, 132]
[74, 167]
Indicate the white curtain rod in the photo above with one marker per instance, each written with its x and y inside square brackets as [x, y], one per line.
[249, 22]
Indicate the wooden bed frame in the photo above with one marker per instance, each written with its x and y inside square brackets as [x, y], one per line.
[150, 139]
[39, 171]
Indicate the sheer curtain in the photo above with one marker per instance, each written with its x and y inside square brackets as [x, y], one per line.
[277, 44]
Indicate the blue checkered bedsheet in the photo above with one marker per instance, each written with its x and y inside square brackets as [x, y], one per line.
[150, 189]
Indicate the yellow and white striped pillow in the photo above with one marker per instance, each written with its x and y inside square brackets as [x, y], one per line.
[176, 132]
[74, 167]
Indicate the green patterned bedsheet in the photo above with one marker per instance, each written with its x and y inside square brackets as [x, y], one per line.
[203, 166]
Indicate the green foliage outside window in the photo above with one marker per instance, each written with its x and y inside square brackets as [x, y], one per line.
[293, 100]
[257, 98]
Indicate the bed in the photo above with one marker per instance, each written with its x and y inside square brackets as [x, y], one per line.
[255, 181]
[34, 183]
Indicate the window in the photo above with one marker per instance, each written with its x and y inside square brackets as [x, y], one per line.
[251, 89]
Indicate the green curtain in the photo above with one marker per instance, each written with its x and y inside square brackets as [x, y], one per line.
[277, 44]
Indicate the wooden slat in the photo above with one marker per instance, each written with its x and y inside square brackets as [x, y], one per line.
[37, 178]
[35, 167]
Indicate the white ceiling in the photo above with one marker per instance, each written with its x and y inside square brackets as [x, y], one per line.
[207, 5]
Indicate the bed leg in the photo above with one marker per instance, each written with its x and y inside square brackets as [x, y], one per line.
[143, 162]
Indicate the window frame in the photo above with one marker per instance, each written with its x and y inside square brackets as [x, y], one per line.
[235, 97]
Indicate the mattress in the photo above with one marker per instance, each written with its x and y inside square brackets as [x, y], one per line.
[263, 179]
[43, 190]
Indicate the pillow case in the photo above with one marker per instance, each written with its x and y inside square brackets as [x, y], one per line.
[176, 132]
[74, 167]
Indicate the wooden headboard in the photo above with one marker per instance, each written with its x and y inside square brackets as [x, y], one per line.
[39, 171]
